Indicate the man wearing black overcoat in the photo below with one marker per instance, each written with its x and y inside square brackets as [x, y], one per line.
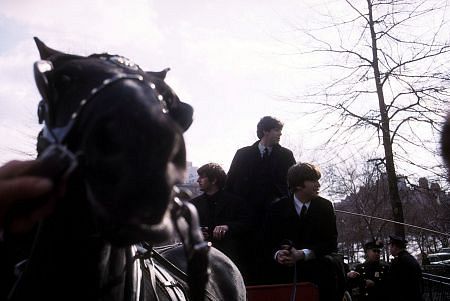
[405, 278]
[258, 175]
[223, 216]
[302, 234]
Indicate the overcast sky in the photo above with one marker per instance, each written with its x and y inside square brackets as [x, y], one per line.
[234, 61]
[226, 57]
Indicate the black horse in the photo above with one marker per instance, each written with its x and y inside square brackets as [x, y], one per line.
[118, 131]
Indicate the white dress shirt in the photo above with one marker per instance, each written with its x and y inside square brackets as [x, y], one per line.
[262, 147]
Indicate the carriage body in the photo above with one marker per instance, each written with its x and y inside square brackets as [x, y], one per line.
[305, 291]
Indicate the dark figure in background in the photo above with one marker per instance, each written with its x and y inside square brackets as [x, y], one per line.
[368, 280]
[258, 175]
[405, 277]
[223, 216]
[302, 234]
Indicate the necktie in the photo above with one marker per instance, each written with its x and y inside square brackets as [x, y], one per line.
[303, 212]
[265, 153]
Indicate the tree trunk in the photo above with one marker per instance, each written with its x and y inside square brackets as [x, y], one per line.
[394, 196]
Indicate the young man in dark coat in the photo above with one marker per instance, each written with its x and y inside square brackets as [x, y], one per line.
[258, 175]
[405, 277]
[302, 234]
[368, 281]
[223, 216]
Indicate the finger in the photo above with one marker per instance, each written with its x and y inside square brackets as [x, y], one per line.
[24, 188]
[17, 168]
[215, 231]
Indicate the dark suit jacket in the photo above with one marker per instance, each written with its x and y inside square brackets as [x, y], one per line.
[317, 232]
[223, 208]
[243, 176]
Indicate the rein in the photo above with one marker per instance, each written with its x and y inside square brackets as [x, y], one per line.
[186, 221]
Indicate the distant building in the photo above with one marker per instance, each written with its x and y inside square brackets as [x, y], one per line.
[190, 182]
[191, 173]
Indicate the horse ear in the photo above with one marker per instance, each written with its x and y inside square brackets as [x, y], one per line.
[160, 74]
[41, 72]
[44, 51]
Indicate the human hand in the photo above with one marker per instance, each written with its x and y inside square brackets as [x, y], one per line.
[24, 199]
[369, 283]
[289, 255]
[220, 231]
[352, 274]
[205, 232]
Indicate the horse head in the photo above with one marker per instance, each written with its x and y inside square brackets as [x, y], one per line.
[124, 126]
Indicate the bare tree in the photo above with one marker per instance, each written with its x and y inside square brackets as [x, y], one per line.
[365, 193]
[388, 82]
[364, 213]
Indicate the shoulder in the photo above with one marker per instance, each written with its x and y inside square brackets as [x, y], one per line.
[412, 259]
[230, 197]
[282, 150]
[323, 202]
[281, 204]
[247, 149]
[198, 199]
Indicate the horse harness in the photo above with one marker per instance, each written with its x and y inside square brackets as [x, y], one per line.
[64, 162]
[147, 260]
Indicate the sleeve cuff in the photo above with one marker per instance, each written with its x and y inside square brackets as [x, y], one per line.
[309, 254]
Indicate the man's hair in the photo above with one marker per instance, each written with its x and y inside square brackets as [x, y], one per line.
[213, 171]
[301, 172]
[266, 124]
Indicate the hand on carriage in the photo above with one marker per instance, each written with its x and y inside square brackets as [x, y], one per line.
[288, 255]
[24, 199]
[220, 231]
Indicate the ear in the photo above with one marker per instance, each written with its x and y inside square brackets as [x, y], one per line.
[161, 74]
[44, 51]
[41, 70]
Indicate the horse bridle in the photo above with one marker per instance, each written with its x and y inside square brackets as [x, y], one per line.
[59, 134]
[196, 249]
[54, 138]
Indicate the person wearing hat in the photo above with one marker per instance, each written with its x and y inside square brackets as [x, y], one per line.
[405, 278]
[368, 280]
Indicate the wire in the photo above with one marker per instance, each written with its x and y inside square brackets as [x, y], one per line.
[391, 221]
